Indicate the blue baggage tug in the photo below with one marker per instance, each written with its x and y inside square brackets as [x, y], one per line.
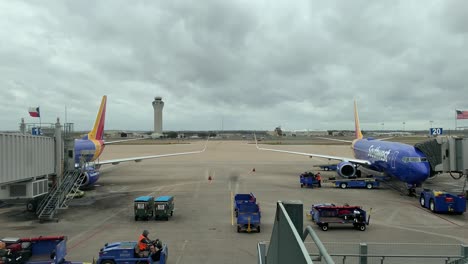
[127, 253]
[443, 202]
[308, 179]
[248, 218]
[143, 207]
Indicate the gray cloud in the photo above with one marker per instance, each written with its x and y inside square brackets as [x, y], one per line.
[254, 64]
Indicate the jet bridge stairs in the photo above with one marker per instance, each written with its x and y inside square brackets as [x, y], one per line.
[60, 195]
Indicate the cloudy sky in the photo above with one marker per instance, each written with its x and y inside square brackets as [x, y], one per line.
[253, 64]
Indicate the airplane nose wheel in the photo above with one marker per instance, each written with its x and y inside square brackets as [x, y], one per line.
[412, 192]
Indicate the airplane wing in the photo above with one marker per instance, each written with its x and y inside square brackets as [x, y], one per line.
[350, 141]
[352, 160]
[138, 159]
[334, 139]
[123, 140]
[383, 139]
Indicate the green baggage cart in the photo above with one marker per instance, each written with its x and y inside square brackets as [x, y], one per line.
[163, 207]
[144, 206]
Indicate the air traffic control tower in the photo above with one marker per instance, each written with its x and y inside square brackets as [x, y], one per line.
[158, 105]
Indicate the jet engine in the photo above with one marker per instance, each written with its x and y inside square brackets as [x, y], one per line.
[346, 169]
[90, 177]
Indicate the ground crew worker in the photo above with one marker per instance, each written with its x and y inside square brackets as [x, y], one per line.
[319, 179]
[143, 242]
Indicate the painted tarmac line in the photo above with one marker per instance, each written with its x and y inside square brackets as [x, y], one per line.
[232, 209]
[181, 252]
[461, 239]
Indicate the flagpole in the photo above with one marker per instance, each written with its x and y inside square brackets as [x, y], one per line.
[455, 120]
[40, 120]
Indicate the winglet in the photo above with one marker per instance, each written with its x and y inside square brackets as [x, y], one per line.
[357, 129]
[98, 129]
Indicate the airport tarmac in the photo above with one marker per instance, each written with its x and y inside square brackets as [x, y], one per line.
[202, 230]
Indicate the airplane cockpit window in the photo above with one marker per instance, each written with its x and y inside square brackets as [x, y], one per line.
[414, 159]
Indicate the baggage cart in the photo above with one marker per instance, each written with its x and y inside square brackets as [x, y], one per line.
[326, 216]
[143, 207]
[35, 250]
[357, 183]
[163, 207]
[242, 198]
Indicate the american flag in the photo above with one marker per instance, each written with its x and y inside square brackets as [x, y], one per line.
[462, 114]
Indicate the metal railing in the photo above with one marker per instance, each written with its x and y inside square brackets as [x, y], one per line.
[286, 244]
[390, 253]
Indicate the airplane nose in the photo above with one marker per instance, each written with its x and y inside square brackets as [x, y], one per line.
[421, 172]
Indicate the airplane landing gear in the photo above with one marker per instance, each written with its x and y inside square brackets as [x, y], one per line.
[411, 190]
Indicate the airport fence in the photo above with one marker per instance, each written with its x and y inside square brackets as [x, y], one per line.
[390, 253]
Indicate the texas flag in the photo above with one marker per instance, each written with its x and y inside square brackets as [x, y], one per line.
[34, 111]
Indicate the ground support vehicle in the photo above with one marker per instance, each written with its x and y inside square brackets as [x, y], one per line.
[327, 167]
[163, 207]
[357, 183]
[144, 207]
[35, 250]
[325, 216]
[248, 218]
[127, 253]
[242, 198]
[442, 202]
[310, 215]
[308, 179]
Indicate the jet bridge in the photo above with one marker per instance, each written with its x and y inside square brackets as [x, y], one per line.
[446, 154]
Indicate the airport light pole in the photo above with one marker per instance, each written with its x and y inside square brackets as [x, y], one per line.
[431, 122]
[383, 126]
[404, 123]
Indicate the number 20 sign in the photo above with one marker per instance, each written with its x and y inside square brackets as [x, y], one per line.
[434, 131]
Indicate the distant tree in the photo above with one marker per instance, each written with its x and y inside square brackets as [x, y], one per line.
[172, 134]
[202, 135]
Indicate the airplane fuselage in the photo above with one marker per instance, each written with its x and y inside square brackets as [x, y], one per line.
[398, 160]
[88, 150]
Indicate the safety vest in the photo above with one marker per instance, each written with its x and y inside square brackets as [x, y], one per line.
[141, 245]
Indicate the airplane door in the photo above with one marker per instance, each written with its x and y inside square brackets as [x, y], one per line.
[393, 159]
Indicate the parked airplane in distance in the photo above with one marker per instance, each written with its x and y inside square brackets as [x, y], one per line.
[401, 161]
[89, 148]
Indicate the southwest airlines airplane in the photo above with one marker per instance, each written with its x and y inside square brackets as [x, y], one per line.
[90, 147]
[401, 161]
